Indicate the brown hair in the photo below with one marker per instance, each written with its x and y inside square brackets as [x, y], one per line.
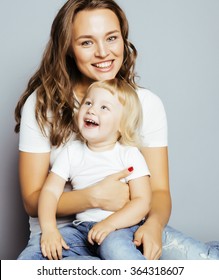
[54, 80]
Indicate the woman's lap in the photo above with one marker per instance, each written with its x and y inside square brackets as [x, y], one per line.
[176, 245]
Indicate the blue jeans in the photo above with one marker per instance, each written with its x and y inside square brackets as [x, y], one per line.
[176, 246]
[118, 245]
[79, 248]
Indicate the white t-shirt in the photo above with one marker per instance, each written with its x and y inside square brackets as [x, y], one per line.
[31, 139]
[84, 167]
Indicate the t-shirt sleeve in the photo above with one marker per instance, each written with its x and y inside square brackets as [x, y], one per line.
[154, 130]
[135, 159]
[61, 166]
[31, 138]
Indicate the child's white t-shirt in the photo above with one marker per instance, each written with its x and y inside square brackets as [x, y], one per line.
[84, 167]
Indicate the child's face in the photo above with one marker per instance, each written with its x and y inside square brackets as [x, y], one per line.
[99, 117]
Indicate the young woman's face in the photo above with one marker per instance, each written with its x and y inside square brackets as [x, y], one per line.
[97, 44]
[99, 117]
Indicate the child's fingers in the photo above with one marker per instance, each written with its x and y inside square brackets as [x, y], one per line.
[102, 237]
[89, 237]
[43, 249]
[59, 251]
[46, 252]
[93, 235]
[56, 252]
[64, 244]
[49, 254]
[97, 236]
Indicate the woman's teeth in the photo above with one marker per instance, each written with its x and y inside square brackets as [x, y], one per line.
[104, 64]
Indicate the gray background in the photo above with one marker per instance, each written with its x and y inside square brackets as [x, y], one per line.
[178, 45]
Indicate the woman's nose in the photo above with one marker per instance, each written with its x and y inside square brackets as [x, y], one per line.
[101, 50]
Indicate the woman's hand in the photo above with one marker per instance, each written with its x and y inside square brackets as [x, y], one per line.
[150, 236]
[111, 194]
[52, 243]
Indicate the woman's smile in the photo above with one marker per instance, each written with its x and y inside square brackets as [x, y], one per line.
[104, 66]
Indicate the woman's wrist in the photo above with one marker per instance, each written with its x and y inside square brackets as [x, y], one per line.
[93, 196]
[154, 221]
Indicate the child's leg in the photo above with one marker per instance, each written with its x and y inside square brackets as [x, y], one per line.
[76, 238]
[118, 245]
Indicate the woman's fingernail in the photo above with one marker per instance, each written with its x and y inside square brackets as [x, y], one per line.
[130, 169]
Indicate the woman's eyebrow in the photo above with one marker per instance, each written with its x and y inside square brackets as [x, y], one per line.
[91, 36]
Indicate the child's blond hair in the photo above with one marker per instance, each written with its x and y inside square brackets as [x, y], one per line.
[131, 121]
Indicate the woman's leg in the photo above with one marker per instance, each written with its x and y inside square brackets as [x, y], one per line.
[178, 246]
[118, 245]
[32, 251]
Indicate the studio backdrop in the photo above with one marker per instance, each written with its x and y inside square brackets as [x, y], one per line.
[178, 59]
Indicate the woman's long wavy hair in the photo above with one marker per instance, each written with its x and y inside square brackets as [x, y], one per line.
[58, 73]
[131, 120]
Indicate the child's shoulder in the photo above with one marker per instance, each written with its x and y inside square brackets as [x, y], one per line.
[75, 144]
[128, 149]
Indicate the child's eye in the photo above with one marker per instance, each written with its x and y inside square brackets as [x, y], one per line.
[88, 103]
[104, 107]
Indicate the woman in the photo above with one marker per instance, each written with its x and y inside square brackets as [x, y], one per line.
[89, 41]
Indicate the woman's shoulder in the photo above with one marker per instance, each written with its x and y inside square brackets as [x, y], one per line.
[151, 103]
[154, 129]
[30, 103]
[147, 96]
[31, 98]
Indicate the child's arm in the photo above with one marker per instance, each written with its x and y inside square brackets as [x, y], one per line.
[132, 213]
[51, 240]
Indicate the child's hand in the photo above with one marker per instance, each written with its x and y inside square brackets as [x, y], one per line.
[52, 243]
[99, 232]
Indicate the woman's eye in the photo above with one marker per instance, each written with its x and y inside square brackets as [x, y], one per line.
[86, 43]
[112, 38]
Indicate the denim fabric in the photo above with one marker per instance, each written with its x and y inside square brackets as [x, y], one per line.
[79, 247]
[176, 246]
[118, 245]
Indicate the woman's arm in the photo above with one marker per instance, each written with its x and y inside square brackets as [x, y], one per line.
[131, 214]
[33, 170]
[109, 194]
[150, 234]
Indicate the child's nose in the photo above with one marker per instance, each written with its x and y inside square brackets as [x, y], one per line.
[91, 110]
